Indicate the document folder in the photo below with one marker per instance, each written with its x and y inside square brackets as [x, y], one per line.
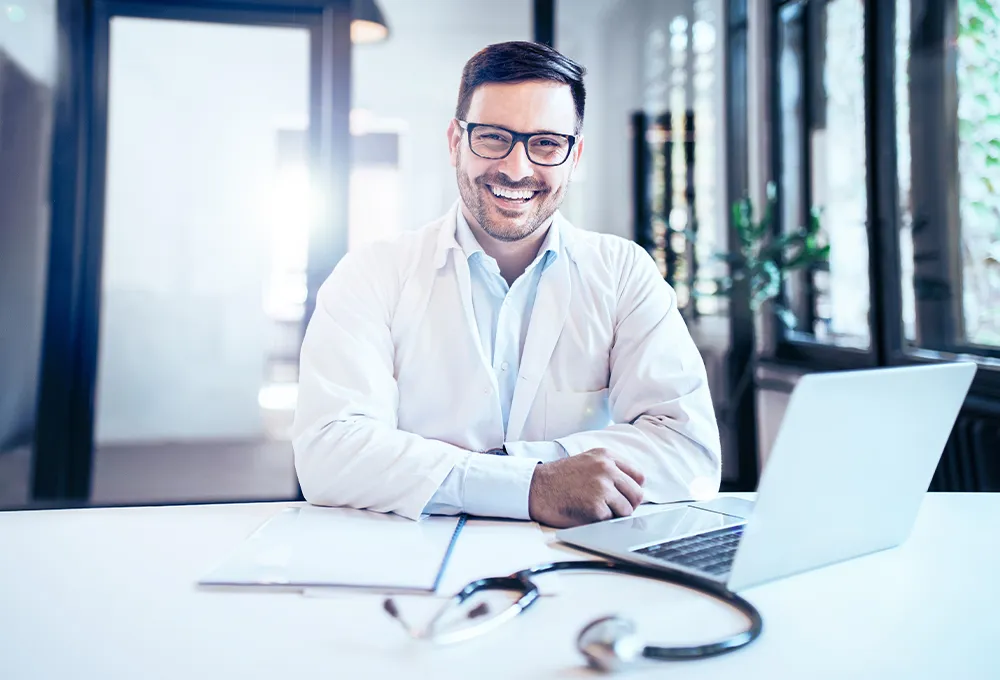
[311, 547]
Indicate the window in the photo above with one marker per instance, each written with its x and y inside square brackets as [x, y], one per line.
[822, 164]
[950, 218]
[838, 177]
[886, 116]
[978, 66]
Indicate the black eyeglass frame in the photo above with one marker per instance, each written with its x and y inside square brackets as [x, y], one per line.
[516, 137]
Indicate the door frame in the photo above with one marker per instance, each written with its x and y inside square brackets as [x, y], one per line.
[62, 464]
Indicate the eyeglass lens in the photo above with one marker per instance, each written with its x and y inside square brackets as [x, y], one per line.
[476, 615]
[543, 149]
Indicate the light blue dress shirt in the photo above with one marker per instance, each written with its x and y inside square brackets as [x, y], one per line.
[487, 484]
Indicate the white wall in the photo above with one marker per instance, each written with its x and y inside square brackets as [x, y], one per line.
[27, 73]
[194, 112]
[414, 77]
[611, 39]
[605, 36]
[28, 34]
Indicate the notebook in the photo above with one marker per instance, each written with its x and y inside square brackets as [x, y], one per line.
[310, 547]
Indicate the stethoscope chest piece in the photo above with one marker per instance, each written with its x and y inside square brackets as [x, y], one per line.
[610, 644]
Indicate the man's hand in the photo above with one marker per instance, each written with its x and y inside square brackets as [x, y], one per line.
[592, 486]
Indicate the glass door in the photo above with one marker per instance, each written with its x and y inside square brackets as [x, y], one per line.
[204, 263]
[216, 205]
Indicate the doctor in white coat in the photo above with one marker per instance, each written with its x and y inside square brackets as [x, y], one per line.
[499, 361]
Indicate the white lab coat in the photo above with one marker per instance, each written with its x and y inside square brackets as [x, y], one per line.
[394, 387]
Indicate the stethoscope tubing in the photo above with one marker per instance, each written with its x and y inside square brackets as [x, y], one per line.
[522, 582]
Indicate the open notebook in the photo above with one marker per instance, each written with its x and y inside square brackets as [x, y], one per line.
[309, 546]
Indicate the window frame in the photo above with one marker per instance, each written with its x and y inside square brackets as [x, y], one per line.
[888, 345]
[62, 465]
[801, 347]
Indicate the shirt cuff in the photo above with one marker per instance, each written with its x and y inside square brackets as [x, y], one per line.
[498, 486]
[447, 500]
[546, 452]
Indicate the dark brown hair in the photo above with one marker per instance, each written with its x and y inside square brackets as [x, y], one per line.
[516, 62]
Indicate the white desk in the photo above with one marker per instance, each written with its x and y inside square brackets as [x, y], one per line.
[109, 593]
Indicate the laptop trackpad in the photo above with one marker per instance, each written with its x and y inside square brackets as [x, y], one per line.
[737, 507]
[675, 523]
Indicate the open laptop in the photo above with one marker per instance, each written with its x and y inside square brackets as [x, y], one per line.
[853, 458]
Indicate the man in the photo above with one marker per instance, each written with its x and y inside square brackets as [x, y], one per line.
[499, 361]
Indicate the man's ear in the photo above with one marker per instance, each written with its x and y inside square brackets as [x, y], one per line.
[454, 139]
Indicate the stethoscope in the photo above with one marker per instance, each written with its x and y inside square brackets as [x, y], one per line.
[609, 643]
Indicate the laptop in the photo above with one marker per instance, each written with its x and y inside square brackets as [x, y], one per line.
[851, 463]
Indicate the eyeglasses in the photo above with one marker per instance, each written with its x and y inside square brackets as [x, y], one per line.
[608, 643]
[478, 608]
[494, 142]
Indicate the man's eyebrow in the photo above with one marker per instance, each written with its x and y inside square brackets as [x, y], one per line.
[535, 132]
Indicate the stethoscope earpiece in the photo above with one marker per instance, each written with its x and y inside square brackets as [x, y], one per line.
[610, 644]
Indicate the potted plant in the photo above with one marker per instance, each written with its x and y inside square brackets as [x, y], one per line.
[764, 259]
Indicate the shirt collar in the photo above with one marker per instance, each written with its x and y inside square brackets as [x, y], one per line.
[470, 245]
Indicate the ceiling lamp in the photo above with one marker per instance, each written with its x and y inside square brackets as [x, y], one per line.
[368, 24]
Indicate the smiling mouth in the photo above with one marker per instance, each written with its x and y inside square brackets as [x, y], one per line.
[506, 196]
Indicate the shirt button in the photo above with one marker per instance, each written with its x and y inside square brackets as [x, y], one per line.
[504, 366]
[486, 390]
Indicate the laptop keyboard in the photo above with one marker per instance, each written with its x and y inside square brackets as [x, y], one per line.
[712, 552]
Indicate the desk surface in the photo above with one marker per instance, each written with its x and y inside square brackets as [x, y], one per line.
[109, 593]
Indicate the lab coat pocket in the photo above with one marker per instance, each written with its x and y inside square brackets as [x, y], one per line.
[571, 412]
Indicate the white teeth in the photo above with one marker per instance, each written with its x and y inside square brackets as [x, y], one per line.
[508, 193]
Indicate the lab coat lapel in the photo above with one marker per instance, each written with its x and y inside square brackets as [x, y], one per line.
[448, 247]
[547, 320]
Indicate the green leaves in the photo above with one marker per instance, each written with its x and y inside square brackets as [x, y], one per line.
[985, 211]
[765, 259]
[986, 7]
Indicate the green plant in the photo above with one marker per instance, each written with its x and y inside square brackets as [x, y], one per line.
[764, 259]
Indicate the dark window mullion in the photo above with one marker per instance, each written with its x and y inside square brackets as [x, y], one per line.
[777, 151]
[884, 266]
[814, 108]
[799, 299]
[937, 269]
[801, 347]
[740, 429]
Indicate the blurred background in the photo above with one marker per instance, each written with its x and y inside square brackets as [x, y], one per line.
[178, 177]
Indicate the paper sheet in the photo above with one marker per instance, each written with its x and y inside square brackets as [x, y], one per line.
[493, 548]
[313, 546]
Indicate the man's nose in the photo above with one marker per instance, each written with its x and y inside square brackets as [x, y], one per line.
[516, 165]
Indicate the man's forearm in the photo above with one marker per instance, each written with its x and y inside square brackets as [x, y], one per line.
[364, 463]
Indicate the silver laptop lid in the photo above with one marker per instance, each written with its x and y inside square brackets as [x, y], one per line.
[853, 458]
